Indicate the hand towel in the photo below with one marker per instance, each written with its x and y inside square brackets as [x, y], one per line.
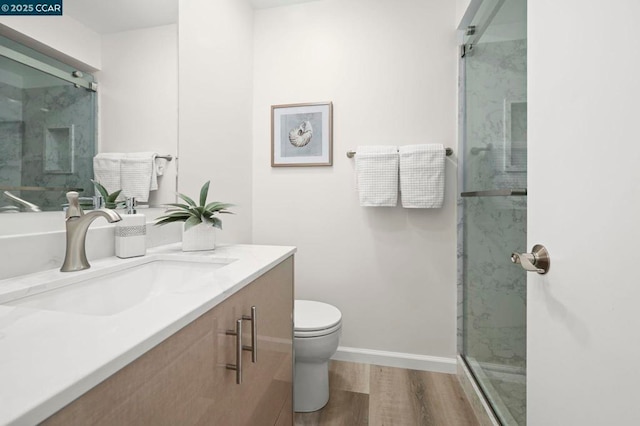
[135, 173]
[147, 157]
[136, 176]
[106, 170]
[422, 176]
[160, 164]
[377, 175]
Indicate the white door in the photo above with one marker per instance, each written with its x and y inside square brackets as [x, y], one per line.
[583, 342]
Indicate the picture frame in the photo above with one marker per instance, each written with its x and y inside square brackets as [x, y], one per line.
[302, 135]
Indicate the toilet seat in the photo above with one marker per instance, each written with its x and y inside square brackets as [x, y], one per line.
[314, 319]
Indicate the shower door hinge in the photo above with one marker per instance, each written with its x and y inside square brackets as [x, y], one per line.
[465, 50]
[93, 86]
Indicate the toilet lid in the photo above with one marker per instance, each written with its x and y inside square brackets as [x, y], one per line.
[314, 316]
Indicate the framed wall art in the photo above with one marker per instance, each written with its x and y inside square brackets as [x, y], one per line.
[302, 135]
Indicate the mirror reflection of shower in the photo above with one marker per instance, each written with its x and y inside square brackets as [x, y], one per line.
[477, 149]
[47, 130]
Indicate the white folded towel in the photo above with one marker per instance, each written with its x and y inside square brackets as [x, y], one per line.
[106, 170]
[377, 175]
[143, 158]
[161, 164]
[422, 176]
[136, 178]
[136, 173]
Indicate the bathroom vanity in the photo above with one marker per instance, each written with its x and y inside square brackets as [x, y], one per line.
[167, 355]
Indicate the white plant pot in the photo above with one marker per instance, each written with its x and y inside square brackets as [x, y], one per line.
[199, 237]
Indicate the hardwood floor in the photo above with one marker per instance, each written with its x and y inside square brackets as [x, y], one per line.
[362, 394]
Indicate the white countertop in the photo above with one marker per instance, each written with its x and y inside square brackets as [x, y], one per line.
[49, 358]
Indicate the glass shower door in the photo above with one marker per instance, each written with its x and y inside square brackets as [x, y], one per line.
[495, 206]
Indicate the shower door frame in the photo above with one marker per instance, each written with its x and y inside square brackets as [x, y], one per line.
[474, 391]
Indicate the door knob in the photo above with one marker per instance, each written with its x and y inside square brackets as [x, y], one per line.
[536, 261]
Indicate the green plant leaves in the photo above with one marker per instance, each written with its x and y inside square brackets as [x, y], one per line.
[101, 189]
[192, 221]
[192, 214]
[109, 199]
[181, 206]
[187, 199]
[217, 206]
[203, 193]
[217, 223]
[113, 196]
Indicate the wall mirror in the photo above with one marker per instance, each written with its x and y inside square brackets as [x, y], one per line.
[47, 128]
[49, 115]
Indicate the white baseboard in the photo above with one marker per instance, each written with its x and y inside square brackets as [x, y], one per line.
[396, 359]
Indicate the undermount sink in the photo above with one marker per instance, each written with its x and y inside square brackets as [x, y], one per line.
[118, 291]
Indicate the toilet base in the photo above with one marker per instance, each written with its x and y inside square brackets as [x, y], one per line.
[311, 386]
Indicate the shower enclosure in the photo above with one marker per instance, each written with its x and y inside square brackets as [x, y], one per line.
[493, 204]
[47, 130]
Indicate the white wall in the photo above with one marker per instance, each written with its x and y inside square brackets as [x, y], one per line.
[461, 8]
[390, 69]
[138, 98]
[215, 81]
[61, 37]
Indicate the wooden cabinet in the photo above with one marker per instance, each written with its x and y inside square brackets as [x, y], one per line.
[185, 379]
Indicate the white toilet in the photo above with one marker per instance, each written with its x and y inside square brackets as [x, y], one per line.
[317, 329]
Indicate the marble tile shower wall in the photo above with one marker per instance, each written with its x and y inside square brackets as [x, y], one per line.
[47, 109]
[11, 133]
[496, 74]
[25, 117]
[494, 289]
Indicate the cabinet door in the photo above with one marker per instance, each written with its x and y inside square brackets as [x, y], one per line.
[265, 396]
[269, 381]
[171, 384]
[185, 380]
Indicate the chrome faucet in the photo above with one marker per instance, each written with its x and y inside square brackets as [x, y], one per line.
[77, 224]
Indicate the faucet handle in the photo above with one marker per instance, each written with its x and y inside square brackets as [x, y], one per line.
[74, 209]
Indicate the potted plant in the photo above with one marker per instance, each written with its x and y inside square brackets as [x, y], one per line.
[200, 220]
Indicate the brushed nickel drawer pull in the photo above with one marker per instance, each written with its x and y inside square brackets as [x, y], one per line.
[238, 365]
[254, 334]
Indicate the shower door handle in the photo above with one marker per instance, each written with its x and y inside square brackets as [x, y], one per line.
[536, 261]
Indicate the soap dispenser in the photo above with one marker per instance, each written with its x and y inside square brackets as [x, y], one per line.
[131, 232]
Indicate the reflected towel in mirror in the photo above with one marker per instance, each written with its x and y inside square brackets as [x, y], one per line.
[136, 173]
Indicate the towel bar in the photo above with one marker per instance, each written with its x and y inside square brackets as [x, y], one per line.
[351, 153]
[166, 157]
